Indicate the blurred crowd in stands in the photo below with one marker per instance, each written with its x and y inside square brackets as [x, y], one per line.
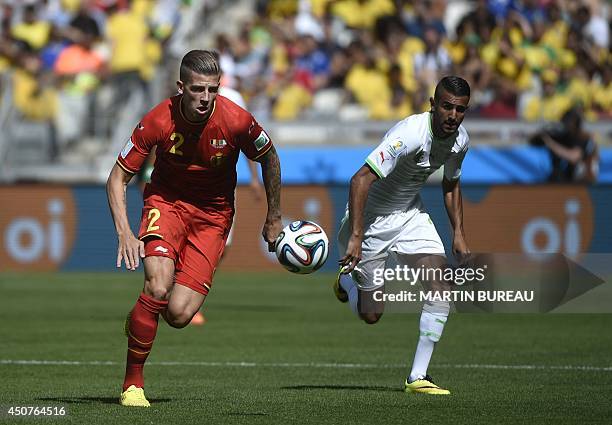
[379, 59]
[338, 59]
[62, 52]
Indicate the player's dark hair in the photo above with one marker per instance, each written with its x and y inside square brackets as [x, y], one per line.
[203, 62]
[454, 85]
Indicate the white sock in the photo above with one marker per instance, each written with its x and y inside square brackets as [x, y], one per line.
[347, 283]
[431, 325]
[422, 356]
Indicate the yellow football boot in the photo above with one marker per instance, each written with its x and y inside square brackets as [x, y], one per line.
[339, 290]
[134, 397]
[424, 386]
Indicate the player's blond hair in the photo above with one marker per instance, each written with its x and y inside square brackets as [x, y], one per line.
[204, 62]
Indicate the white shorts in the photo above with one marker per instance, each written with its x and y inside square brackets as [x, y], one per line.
[410, 232]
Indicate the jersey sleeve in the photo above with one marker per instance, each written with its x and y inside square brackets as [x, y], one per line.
[452, 166]
[252, 139]
[386, 156]
[139, 145]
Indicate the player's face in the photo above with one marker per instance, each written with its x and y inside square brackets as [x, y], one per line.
[448, 113]
[199, 93]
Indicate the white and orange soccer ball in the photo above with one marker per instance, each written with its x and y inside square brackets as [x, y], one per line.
[302, 247]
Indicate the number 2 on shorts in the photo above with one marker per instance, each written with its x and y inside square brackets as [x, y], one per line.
[154, 215]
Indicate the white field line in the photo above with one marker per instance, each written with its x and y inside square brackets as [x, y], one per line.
[309, 365]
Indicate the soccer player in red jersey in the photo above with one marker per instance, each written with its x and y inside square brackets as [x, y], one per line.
[188, 205]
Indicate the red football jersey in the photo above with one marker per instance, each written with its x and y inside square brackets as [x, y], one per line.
[195, 162]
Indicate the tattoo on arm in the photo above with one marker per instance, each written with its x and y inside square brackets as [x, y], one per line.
[271, 173]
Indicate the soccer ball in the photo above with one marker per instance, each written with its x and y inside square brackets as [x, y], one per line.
[302, 247]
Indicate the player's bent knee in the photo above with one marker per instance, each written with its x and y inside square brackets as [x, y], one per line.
[370, 318]
[179, 316]
[158, 286]
[178, 324]
[178, 321]
[159, 277]
[157, 291]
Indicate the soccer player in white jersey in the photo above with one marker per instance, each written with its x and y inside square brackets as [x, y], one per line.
[386, 216]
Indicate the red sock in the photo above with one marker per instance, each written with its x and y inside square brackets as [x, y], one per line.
[141, 333]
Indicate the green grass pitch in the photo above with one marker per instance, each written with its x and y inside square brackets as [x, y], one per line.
[280, 349]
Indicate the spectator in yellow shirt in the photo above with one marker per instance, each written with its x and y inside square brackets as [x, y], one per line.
[362, 13]
[551, 105]
[32, 31]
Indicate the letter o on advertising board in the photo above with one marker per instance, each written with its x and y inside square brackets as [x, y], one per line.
[38, 227]
[14, 237]
[548, 228]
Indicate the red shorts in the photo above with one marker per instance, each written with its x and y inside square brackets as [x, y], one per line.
[193, 237]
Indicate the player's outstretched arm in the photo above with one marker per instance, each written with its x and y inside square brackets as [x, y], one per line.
[358, 195]
[271, 172]
[130, 249]
[454, 208]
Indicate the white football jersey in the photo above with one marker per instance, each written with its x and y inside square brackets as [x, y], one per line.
[408, 154]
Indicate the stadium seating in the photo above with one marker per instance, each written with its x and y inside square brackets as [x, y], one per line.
[319, 63]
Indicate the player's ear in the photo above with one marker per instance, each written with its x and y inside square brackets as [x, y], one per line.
[179, 85]
[432, 104]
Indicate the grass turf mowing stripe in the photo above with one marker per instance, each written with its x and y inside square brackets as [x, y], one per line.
[314, 365]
